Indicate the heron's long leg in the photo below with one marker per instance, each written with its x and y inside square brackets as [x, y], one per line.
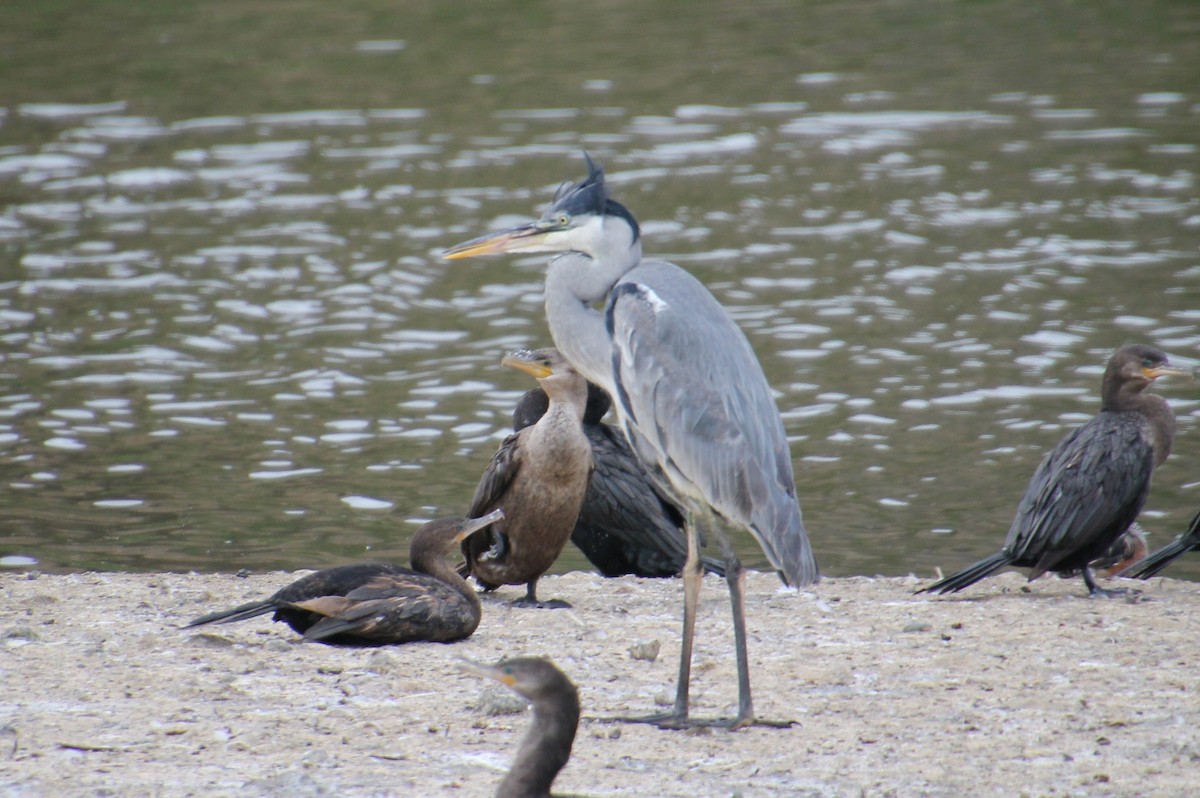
[692, 572]
[735, 576]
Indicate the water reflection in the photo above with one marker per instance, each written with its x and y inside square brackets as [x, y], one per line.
[228, 341]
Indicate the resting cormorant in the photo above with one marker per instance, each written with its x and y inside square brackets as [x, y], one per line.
[626, 525]
[1091, 486]
[547, 745]
[1188, 541]
[538, 477]
[370, 604]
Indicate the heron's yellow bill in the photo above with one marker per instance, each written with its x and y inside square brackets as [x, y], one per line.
[512, 239]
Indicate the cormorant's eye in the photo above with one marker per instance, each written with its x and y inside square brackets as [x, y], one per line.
[1148, 363]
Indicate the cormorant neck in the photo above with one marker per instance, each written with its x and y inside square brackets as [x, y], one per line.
[1128, 397]
[546, 747]
[1162, 424]
[428, 555]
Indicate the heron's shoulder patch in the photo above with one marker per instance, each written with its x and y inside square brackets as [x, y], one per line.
[640, 292]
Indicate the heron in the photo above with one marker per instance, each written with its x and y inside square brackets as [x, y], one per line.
[1087, 492]
[690, 396]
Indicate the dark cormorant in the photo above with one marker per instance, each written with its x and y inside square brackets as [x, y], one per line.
[379, 603]
[1091, 486]
[626, 525]
[547, 745]
[538, 477]
[1188, 541]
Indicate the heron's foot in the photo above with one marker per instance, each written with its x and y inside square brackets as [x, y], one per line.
[526, 602]
[675, 721]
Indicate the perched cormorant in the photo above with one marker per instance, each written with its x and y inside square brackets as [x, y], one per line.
[547, 745]
[1188, 541]
[1091, 486]
[538, 477]
[626, 525]
[379, 603]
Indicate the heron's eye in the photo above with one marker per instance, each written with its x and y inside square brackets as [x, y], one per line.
[562, 219]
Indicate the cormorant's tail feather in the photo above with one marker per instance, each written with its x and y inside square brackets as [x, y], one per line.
[970, 575]
[251, 610]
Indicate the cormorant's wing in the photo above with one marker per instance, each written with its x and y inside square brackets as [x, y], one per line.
[1091, 485]
[501, 470]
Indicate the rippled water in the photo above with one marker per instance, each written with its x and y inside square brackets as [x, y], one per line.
[228, 340]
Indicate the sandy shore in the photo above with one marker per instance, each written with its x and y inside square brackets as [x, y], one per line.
[997, 692]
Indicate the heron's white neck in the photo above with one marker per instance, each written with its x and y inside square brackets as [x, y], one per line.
[575, 284]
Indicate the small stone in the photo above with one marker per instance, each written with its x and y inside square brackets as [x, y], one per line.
[382, 662]
[496, 700]
[25, 633]
[918, 626]
[645, 649]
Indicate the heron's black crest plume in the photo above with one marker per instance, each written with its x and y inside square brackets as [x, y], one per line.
[589, 197]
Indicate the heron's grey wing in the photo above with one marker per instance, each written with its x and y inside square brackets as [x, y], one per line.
[501, 470]
[695, 401]
[1093, 482]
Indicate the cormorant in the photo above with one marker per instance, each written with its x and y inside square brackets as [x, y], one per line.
[379, 603]
[538, 477]
[626, 525]
[1091, 486]
[547, 745]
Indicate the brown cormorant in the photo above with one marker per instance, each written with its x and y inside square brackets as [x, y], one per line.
[1188, 541]
[626, 524]
[1091, 486]
[538, 477]
[547, 745]
[380, 603]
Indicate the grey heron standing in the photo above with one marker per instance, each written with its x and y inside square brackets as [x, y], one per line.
[690, 393]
